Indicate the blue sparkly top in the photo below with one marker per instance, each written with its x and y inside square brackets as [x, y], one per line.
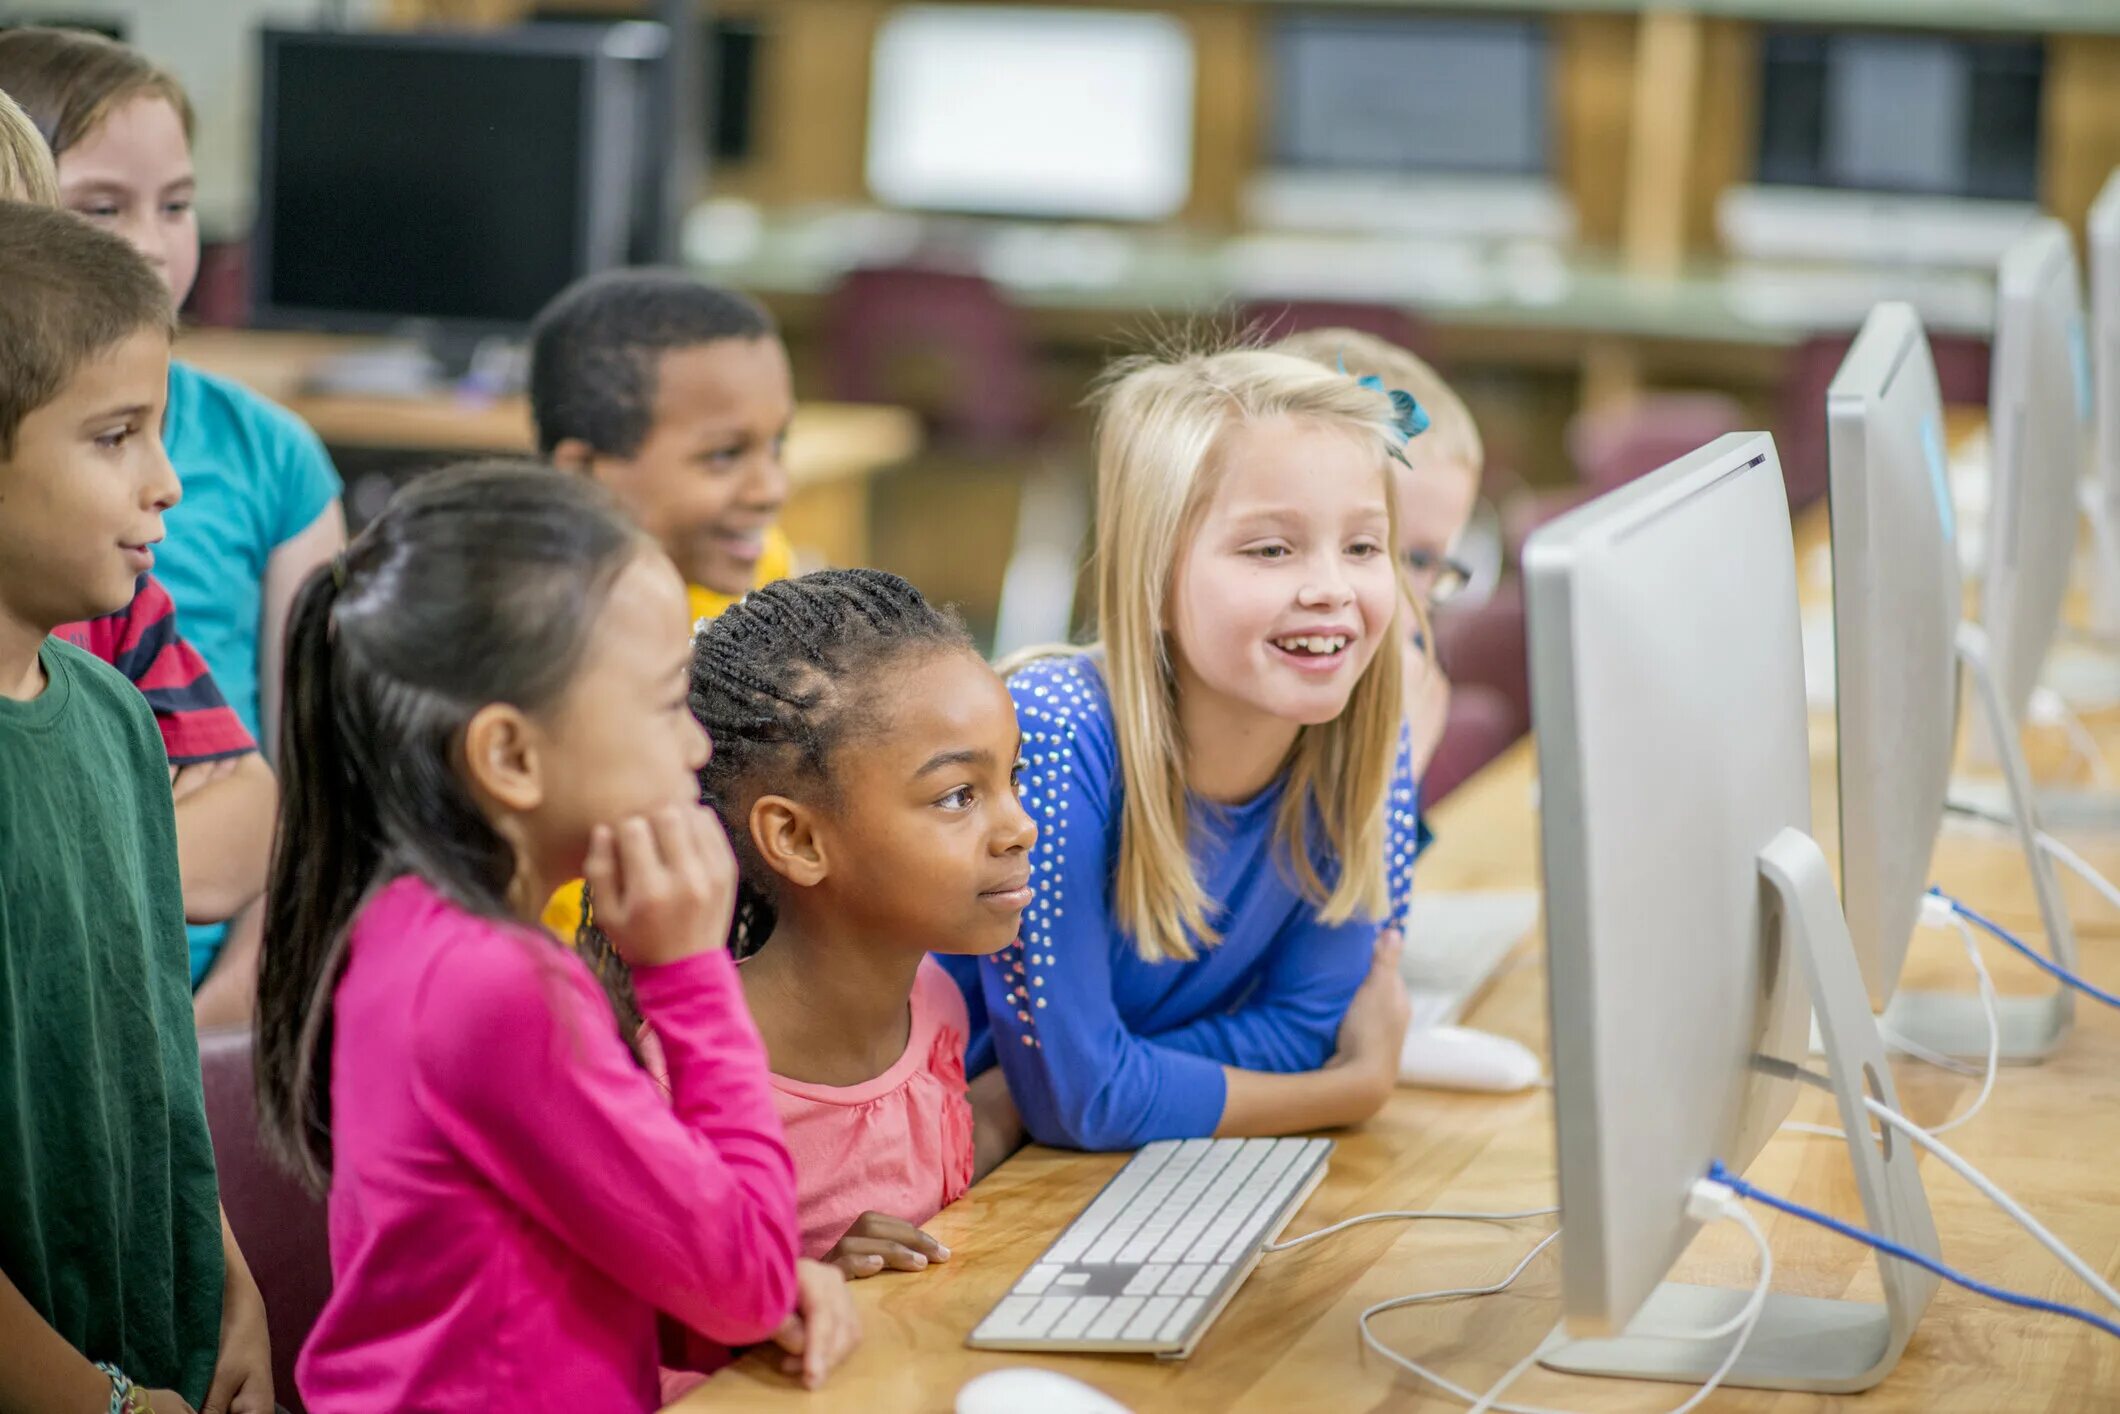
[1104, 1050]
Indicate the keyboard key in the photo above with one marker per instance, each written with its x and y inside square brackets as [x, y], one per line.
[1181, 1318]
[1210, 1279]
[1008, 1320]
[1114, 1320]
[1047, 1314]
[1147, 1281]
[1154, 1312]
[1078, 1317]
[1073, 1279]
[1138, 1173]
[1227, 1183]
[1180, 1281]
[1038, 1278]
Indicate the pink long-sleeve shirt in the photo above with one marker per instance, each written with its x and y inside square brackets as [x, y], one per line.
[513, 1199]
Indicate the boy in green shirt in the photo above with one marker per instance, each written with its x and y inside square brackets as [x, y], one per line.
[116, 1265]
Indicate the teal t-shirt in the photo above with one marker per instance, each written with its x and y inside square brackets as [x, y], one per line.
[254, 477]
[113, 1228]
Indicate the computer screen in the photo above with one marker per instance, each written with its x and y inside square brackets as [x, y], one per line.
[1410, 93]
[2039, 429]
[1027, 111]
[1914, 114]
[458, 178]
[1897, 599]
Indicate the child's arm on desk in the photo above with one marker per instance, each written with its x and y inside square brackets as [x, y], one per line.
[997, 1129]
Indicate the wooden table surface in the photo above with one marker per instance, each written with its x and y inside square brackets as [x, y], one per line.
[1288, 1341]
[833, 448]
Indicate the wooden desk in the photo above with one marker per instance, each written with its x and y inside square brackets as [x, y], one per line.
[1288, 1341]
[833, 448]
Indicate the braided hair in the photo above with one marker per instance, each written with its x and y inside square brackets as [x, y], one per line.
[780, 681]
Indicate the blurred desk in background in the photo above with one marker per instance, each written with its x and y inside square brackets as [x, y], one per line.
[833, 448]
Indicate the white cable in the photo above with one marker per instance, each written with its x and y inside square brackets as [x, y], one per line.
[2079, 866]
[2086, 746]
[1905, 1046]
[1995, 1195]
[1420, 1371]
[1990, 1007]
[1742, 1325]
[1411, 1216]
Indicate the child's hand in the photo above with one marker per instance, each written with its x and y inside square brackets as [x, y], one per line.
[824, 1329]
[665, 884]
[242, 1371]
[1374, 1030]
[878, 1240]
[168, 1401]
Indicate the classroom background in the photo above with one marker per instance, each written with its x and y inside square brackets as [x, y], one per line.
[1619, 229]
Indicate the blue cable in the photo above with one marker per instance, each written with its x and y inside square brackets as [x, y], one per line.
[2003, 935]
[1721, 1175]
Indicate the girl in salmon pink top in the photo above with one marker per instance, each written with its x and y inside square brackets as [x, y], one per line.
[864, 768]
[485, 697]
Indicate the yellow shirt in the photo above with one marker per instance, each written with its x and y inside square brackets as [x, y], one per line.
[563, 915]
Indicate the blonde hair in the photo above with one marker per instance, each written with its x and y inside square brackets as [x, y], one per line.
[26, 170]
[1162, 421]
[1451, 434]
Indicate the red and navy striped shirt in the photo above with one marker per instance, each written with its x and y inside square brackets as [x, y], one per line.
[141, 641]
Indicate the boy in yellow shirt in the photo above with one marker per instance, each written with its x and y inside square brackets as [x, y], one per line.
[676, 395]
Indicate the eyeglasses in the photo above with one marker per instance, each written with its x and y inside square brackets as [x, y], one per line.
[1436, 578]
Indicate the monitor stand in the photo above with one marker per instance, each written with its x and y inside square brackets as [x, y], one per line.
[1800, 1342]
[2032, 1027]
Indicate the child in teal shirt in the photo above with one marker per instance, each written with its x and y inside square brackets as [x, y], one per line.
[260, 507]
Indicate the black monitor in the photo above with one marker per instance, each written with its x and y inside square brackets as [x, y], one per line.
[1912, 114]
[453, 180]
[1384, 92]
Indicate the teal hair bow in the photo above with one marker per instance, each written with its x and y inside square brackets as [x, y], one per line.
[1407, 414]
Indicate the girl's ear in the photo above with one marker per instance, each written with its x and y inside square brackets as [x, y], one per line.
[502, 759]
[786, 835]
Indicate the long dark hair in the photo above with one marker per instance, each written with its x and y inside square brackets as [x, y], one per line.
[477, 584]
[779, 680]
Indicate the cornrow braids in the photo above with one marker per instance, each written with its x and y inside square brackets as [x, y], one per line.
[780, 681]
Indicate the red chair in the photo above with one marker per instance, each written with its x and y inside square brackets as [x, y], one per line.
[947, 345]
[1481, 725]
[1277, 319]
[1961, 374]
[1485, 645]
[279, 1226]
[1612, 446]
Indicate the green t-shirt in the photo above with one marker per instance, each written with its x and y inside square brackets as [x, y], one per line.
[112, 1227]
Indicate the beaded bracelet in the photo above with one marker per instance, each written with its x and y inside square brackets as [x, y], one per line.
[125, 1396]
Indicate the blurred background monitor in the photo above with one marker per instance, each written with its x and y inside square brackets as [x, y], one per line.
[1024, 111]
[2039, 411]
[457, 180]
[1896, 147]
[1436, 123]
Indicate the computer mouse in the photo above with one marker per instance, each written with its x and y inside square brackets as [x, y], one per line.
[1027, 1391]
[1460, 1058]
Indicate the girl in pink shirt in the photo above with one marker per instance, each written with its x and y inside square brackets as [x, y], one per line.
[485, 695]
[864, 768]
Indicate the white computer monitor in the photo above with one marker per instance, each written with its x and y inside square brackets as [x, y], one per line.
[1691, 920]
[1897, 601]
[1668, 701]
[2039, 413]
[2102, 237]
[1032, 111]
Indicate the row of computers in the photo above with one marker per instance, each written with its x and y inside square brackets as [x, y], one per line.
[1698, 950]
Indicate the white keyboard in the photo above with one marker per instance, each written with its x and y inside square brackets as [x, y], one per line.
[1155, 1257]
[1456, 943]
